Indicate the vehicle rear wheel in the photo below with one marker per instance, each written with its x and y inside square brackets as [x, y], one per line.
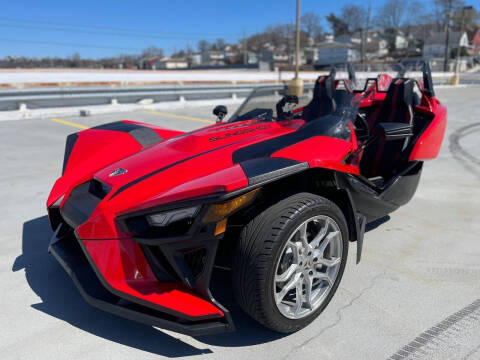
[289, 261]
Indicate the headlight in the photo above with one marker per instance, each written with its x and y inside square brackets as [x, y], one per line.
[168, 217]
[219, 212]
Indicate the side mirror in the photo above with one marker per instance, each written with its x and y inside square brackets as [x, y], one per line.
[220, 111]
[393, 131]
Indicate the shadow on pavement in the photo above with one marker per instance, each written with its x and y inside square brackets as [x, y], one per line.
[61, 299]
[376, 223]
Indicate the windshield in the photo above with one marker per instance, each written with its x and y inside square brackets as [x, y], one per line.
[262, 102]
[262, 105]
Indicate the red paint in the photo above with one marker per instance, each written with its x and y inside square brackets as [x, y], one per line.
[186, 166]
[124, 267]
[321, 151]
[429, 143]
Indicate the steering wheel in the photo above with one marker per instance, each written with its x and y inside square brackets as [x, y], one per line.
[289, 99]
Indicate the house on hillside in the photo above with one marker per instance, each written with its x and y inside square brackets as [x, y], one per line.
[164, 63]
[331, 52]
[348, 39]
[474, 40]
[434, 46]
[375, 48]
[213, 57]
[273, 56]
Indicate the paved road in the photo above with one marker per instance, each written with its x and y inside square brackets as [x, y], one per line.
[415, 294]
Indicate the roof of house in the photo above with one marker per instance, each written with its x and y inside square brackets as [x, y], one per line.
[334, 45]
[439, 38]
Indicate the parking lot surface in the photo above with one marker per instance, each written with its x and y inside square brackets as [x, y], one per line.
[415, 294]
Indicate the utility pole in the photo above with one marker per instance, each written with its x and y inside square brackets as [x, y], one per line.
[297, 41]
[459, 48]
[362, 45]
[245, 51]
[364, 34]
[447, 36]
[296, 85]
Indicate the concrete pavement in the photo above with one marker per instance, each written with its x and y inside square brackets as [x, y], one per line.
[416, 293]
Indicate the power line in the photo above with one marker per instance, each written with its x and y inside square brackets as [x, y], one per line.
[55, 43]
[126, 30]
[72, 31]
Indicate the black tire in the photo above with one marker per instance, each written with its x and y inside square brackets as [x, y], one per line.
[259, 247]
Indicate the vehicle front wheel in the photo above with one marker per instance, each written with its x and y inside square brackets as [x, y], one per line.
[289, 261]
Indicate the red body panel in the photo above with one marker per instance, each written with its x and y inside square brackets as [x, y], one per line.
[185, 166]
[123, 266]
[430, 141]
[329, 153]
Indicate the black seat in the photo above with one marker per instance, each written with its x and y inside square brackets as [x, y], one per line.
[323, 102]
[383, 158]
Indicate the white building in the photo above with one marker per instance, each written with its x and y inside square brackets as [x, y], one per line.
[331, 52]
[212, 57]
[435, 45]
[171, 63]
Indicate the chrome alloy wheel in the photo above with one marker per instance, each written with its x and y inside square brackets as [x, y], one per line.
[308, 267]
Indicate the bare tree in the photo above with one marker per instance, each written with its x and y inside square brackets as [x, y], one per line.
[466, 15]
[354, 16]
[152, 51]
[220, 44]
[441, 11]
[391, 14]
[311, 24]
[203, 45]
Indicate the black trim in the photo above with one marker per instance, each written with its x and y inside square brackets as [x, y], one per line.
[68, 253]
[144, 135]
[69, 145]
[324, 126]
[141, 178]
[375, 202]
[265, 169]
[79, 205]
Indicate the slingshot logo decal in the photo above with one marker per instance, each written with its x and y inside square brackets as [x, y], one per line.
[119, 171]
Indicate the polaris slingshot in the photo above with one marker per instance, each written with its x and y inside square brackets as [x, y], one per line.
[143, 215]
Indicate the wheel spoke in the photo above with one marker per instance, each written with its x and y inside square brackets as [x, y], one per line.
[328, 262]
[316, 241]
[286, 274]
[288, 286]
[308, 291]
[308, 266]
[298, 298]
[295, 251]
[323, 277]
[303, 235]
[327, 240]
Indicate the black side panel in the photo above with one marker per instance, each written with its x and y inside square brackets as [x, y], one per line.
[71, 140]
[374, 202]
[80, 205]
[402, 189]
[264, 169]
[143, 135]
[367, 200]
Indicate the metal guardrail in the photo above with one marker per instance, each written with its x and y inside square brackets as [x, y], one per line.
[57, 97]
[34, 98]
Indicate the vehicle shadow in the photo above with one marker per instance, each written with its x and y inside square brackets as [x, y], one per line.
[376, 223]
[61, 299]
